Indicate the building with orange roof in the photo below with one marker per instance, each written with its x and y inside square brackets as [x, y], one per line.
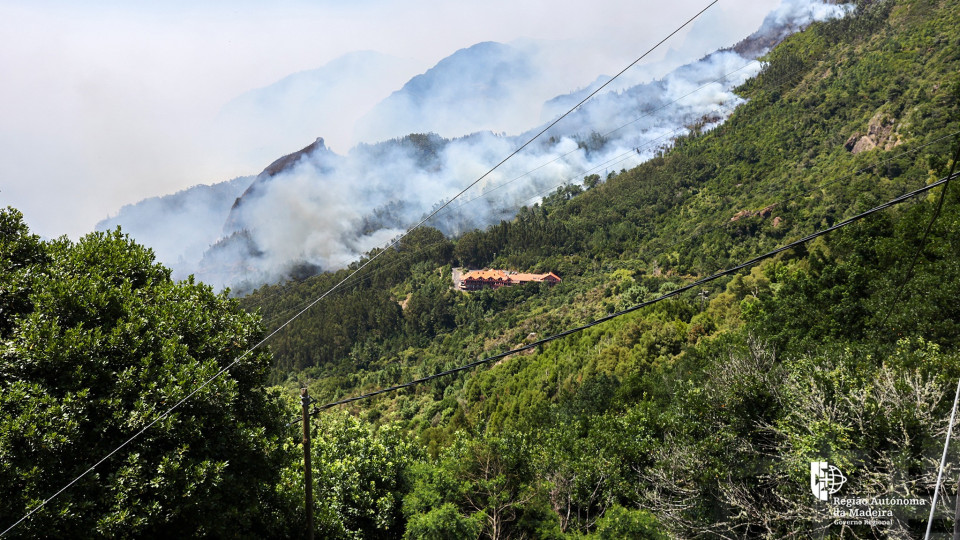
[475, 280]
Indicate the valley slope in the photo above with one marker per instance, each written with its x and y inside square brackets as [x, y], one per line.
[322, 210]
[699, 415]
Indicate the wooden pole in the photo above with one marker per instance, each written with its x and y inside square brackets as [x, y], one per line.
[307, 469]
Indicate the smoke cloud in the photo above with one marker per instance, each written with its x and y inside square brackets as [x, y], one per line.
[107, 102]
[326, 210]
[268, 121]
[320, 210]
[182, 226]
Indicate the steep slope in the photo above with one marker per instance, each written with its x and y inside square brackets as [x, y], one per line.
[233, 257]
[700, 415]
[324, 213]
[319, 210]
[779, 168]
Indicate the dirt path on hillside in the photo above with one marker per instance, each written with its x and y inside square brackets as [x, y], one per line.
[457, 277]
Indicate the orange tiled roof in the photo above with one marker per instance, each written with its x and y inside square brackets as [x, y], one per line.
[522, 277]
[485, 274]
[514, 277]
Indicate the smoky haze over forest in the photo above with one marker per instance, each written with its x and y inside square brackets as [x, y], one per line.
[322, 210]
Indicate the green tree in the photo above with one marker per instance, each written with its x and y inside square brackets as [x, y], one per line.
[360, 477]
[487, 480]
[620, 522]
[97, 342]
[444, 523]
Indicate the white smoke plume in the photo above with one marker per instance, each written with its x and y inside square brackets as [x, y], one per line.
[268, 121]
[317, 210]
[181, 226]
[325, 211]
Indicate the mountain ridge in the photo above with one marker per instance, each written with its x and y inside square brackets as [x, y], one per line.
[700, 415]
[334, 199]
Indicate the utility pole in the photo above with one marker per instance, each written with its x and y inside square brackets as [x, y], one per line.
[703, 298]
[307, 469]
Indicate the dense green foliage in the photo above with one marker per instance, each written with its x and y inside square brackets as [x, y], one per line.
[698, 416]
[96, 342]
[360, 476]
[695, 417]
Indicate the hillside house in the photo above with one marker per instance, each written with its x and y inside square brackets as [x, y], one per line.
[494, 279]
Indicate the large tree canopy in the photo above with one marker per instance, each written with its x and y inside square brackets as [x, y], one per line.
[96, 342]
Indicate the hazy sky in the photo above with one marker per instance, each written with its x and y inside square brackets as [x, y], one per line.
[104, 103]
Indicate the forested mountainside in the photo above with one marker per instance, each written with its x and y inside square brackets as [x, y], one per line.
[315, 210]
[790, 161]
[699, 416]
[701, 412]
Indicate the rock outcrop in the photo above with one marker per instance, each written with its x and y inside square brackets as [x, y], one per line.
[880, 133]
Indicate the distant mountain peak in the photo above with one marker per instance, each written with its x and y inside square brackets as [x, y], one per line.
[473, 89]
[289, 161]
[316, 153]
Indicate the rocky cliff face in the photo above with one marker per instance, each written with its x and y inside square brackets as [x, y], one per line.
[881, 132]
[316, 154]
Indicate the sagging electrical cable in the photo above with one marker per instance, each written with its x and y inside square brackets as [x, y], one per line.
[360, 268]
[641, 305]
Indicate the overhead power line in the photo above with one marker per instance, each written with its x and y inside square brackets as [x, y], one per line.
[422, 249]
[641, 305]
[906, 278]
[357, 270]
[923, 240]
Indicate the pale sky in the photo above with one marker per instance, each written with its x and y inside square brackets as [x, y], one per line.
[104, 103]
